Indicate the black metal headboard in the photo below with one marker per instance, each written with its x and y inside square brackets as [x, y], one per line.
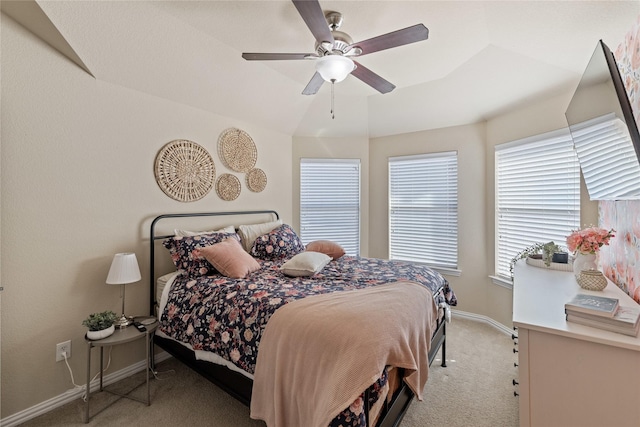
[153, 238]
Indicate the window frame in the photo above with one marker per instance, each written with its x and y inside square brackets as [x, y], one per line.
[348, 236]
[544, 156]
[439, 233]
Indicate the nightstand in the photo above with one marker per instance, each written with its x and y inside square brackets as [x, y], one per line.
[121, 336]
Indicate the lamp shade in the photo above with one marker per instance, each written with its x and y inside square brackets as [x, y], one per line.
[124, 269]
[334, 68]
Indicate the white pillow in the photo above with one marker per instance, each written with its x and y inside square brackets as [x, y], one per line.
[185, 233]
[249, 233]
[305, 264]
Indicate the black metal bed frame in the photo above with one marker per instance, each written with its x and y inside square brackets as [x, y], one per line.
[238, 385]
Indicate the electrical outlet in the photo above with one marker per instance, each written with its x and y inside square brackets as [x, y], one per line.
[63, 347]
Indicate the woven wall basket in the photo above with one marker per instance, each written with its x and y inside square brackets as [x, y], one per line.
[185, 170]
[228, 187]
[237, 150]
[256, 180]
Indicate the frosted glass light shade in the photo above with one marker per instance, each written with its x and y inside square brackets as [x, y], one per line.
[124, 269]
[334, 68]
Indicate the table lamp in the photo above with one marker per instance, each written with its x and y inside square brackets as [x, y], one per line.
[124, 270]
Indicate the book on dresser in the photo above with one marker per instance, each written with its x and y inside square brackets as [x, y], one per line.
[625, 321]
[593, 305]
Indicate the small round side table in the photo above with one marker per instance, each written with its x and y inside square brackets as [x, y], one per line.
[121, 336]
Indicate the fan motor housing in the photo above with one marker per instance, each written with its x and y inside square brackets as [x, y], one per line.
[342, 41]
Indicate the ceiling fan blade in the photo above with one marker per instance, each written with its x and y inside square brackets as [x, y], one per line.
[372, 79]
[314, 85]
[313, 16]
[397, 38]
[275, 56]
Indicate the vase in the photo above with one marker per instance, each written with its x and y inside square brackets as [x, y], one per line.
[584, 262]
[98, 335]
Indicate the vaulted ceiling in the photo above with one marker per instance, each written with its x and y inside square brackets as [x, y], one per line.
[482, 58]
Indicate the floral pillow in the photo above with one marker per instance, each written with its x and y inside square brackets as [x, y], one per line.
[249, 233]
[281, 242]
[181, 248]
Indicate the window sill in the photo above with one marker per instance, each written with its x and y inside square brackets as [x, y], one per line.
[445, 271]
[501, 281]
[448, 271]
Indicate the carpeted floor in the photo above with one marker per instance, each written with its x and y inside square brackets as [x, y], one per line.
[474, 390]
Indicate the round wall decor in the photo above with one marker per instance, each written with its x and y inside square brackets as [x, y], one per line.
[237, 150]
[185, 170]
[228, 187]
[256, 180]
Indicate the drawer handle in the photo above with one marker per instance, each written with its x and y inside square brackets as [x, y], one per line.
[515, 351]
[515, 365]
[515, 382]
[515, 393]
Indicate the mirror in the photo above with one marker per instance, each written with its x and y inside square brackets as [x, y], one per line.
[604, 132]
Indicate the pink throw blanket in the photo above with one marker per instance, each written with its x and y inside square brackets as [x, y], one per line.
[318, 354]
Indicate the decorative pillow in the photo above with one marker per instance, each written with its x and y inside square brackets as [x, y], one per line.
[305, 264]
[181, 248]
[328, 247]
[229, 258]
[228, 229]
[249, 233]
[282, 242]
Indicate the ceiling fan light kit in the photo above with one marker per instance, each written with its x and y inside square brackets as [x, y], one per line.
[334, 68]
[334, 49]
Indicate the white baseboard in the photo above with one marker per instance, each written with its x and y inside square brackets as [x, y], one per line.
[76, 393]
[480, 318]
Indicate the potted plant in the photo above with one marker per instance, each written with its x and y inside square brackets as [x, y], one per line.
[100, 324]
[533, 251]
[548, 249]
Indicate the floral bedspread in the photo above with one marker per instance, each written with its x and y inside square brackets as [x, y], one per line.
[227, 316]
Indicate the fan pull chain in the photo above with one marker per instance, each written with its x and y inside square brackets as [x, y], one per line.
[333, 116]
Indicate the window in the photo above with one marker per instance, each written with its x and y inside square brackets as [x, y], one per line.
[423, 209]
[330, 202]
[537, 194]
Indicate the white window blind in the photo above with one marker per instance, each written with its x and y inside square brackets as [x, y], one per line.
[607, 157]
[423, 209]
[537, 194]
[330, 202]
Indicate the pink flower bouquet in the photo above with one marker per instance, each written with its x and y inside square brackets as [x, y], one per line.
[589, 240]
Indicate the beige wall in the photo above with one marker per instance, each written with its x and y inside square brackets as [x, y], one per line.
[475, 146]
[533, 119]
[334, 148]
[468, 141]
[78, 186]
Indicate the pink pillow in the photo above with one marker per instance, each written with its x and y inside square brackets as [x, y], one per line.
[327, 247]
[229, 258]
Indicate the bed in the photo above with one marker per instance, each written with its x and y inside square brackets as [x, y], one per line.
[214, 322]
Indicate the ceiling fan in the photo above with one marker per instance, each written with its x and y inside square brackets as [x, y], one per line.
[334, 49]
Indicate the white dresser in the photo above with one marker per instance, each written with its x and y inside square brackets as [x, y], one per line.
[570, 374]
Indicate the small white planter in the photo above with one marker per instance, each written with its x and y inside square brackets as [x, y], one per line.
[98, 335]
